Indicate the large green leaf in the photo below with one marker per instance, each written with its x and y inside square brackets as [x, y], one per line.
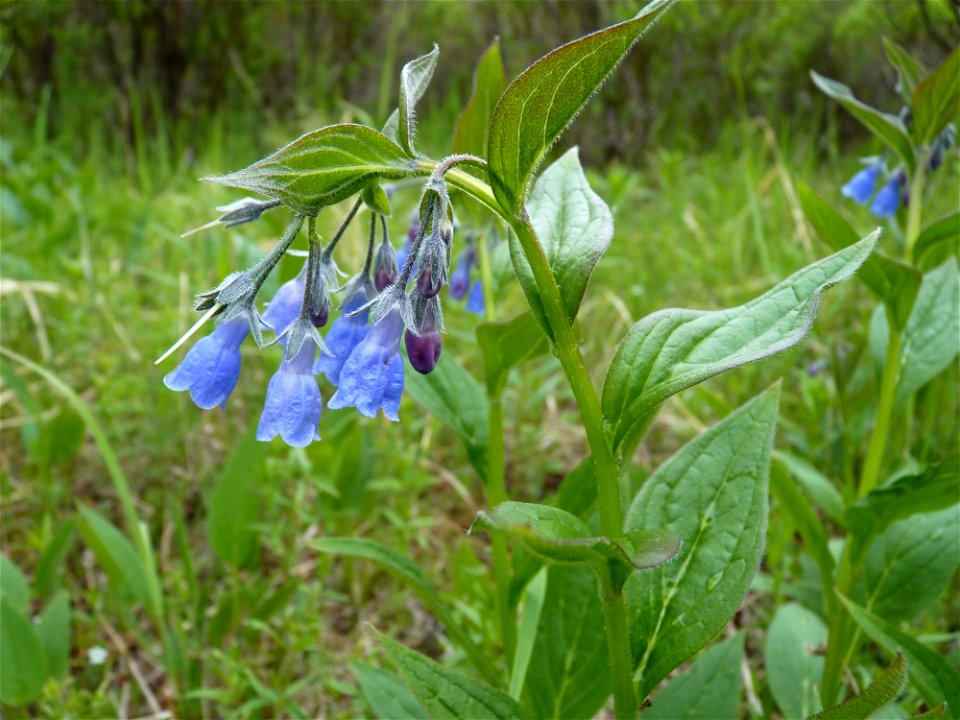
[446, 694]
[567, 677]
[21, 656]
[893, 281]
[936, 100]
[940, 234]
[386, 693]
[889, 128]
[671, 350]
[936, 679]
[794, 659]
[933, 489]
[909, 70]
[322, 167]
[53, 630]
[882, 691]
[506, 344]
[13, 585]
[234, 506]
[909, 565]
[455, 398]
[575, 227]
[414, 79]
[472, 132]
[539, 104]
[49, 566]
[929, 340]
[708, 690]
[713, 492]
[558, 536]
[117, 557]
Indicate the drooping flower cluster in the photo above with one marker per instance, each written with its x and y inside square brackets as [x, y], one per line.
[395, 295]
[894, 193]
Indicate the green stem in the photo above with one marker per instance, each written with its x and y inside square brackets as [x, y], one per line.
[496, 485]
[880, 437]
[568, 352]
[915, 209]
[618, 646]
[497, 493]
[604, 464]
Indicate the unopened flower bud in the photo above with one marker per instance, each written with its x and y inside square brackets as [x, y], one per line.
[426, 284]
[385, 266]
[423, 350]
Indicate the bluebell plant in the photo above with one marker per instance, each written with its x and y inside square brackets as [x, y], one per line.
[593, 547]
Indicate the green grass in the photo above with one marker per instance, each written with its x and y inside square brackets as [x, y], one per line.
[98, 283]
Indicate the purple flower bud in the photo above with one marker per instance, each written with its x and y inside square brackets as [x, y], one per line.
[320, 315]
[423, 351]
[384, 266]
[426, 284]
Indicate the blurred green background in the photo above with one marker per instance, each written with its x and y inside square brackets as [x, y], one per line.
[111, 111]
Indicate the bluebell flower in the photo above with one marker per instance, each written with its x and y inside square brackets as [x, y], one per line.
[460, 278]
[211, 368]
[285, 305]
[475, 301]
[372, 377]
[887, 200]
[861, 186]
[293, 405]
[346, 332]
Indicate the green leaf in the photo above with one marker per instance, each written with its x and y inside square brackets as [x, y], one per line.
[558, 536]
[455, 398]
[713, 492]
[446, 694]
[909, 70]
[392, 561]
[815, 484]
[794, 660]
[21, 657]
[539, 104]
[53, 631]
[564, 679]
[793, 504]
[883, 690]
[472, 132]
[322, 167]
[235, 505]
[376, 199]
[708, 690]
[414, 79]
[933, 489]
[386, 693]
[117, 557]
[937, 234]
[909, 565]
[47, 576]
[888, 128]
[893, 281]
[574, 226]
[13, 585]
[936, 679]
[936, 100]
[929, 340]
[506, 344]
[534, 595]
[671, 350]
